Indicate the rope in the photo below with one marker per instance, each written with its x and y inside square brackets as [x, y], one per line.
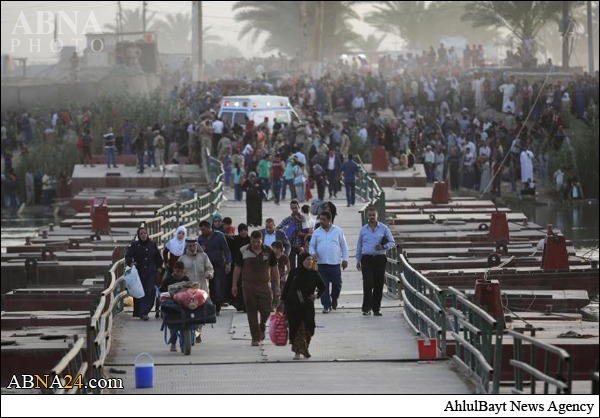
[499, 169]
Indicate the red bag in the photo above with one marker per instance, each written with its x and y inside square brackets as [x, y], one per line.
[80, 142]
[307, 194]
[278, 331]
[191, 298]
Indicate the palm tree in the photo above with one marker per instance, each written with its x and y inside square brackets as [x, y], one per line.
[369, 45]
[524, 19]
[403, 19]
[133, 21]
[175, 33]
[281, 23]
[422, 25]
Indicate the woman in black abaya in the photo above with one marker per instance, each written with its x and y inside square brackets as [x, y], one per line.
[144, 253]
[254, 197]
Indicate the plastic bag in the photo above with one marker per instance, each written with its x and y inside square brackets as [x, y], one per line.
[191, 298]
[290, 231]
[133, 283]
[278, 332]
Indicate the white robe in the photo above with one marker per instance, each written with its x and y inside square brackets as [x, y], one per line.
[486, 177]
[526, 166]
[438, 172]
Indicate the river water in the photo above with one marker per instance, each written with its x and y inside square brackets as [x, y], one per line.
[16, 228]
[578, 221]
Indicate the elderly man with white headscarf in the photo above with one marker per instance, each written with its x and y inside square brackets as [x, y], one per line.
[198, 268]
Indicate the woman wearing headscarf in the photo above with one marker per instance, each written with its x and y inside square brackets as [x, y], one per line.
[298, 297]
[144, 253]
[254, 197]
[174, 248]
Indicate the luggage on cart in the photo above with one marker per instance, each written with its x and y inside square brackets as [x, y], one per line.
[178, 317]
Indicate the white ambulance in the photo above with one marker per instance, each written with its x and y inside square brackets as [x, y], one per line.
[235, 109]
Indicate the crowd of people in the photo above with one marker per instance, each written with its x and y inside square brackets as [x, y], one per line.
[470, 116]
[284, 267]
[473, 129]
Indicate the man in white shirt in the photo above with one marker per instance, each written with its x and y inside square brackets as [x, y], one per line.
[217, 126]
[270, 235]
[428, 161]
[358, 103]
[363, 134]
[507, 90]
[509, 106]
[328, 247]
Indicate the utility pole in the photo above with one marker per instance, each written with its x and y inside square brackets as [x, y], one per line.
[565, 30]
[197, 42]
[120, 22]
[144, 4]
[200, 43]
[318, 51]
[590, 34]
[304, 28]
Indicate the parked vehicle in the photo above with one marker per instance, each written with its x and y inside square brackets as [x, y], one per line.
[235, 109]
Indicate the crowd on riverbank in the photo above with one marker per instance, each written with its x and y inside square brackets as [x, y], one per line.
[472, 126]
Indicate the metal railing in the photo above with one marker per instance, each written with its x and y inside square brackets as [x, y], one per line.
[478, 340]
[393, 269]
[550, 365]
[369, 190]
[100, 327]
[96, 346]
[72, 365]
[424, 305]
[191, 212]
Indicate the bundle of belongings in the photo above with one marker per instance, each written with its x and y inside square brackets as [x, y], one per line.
[185, 305]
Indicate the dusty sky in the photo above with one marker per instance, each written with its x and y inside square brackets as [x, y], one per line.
[25, 34]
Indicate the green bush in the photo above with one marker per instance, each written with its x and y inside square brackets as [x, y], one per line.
[357, 147]
[52, 154]
[143, 111]
[584, 141]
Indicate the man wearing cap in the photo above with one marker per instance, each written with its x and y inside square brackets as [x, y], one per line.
[257, 267]
[109, 146]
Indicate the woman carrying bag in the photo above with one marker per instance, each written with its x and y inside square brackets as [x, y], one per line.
[298, 297]
[144, 253]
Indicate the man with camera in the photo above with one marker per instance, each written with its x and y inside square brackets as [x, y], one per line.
[374, 240]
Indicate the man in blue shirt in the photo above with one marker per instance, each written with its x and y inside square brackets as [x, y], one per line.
[215, 246]
[328, 247]
[374, 240]
[349, 169]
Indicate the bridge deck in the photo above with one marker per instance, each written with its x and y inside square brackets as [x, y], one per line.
[350, 353]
